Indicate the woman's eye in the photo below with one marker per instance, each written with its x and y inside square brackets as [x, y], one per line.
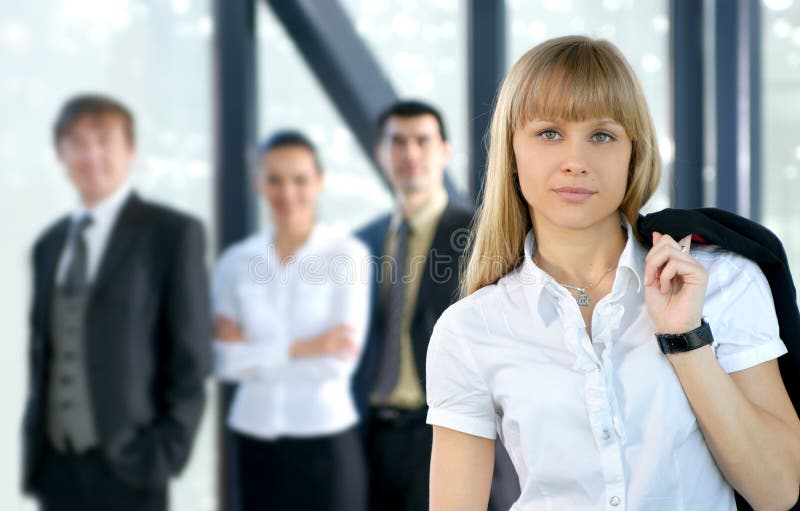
[549, 134]
[602, 137]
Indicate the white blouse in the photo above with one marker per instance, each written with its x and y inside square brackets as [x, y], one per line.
[603, 427]
[325, 284]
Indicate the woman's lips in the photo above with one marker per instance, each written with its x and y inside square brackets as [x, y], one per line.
[573, 194]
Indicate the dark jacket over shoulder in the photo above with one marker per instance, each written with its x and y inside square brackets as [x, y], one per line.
[147, 343]
[437, 290]
[757, 243]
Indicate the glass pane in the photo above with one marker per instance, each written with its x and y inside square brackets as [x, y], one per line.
[290, 96]
[154, 56]
[781, 118]
[422, 48]
[639, 29]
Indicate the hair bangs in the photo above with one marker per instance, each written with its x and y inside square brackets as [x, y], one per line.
[577, 83]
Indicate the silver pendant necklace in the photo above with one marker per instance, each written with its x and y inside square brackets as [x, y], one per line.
[583, 299]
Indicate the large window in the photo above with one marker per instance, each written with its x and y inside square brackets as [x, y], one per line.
[639, 29]
[290, 96]
[155, 57]
[422, 48]
[781, 121]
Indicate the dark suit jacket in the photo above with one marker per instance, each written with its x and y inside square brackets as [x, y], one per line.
[757, 243]
[147, 343]
[437, 290]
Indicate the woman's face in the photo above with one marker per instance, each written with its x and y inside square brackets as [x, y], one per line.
[290, 183]
[572, 174]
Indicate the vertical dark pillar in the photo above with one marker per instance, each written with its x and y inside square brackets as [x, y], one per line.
[686, 58]
[738, 91]
[235, 108]
[486, 34]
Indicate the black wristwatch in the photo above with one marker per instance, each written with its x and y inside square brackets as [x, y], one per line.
[691, 340]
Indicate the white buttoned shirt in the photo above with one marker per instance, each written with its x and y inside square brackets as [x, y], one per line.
[594, 426]
[98, 234]
[325, 283]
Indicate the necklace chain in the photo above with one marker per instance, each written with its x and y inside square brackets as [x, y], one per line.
[583, 298]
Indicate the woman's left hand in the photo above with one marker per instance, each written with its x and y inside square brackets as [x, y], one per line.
[675, 285]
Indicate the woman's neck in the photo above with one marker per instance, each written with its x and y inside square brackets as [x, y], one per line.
[579, 257]
[290, 237]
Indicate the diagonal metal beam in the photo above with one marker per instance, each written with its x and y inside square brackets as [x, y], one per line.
[341, 61]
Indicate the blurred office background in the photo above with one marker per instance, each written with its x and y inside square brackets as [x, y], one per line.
[206, 79]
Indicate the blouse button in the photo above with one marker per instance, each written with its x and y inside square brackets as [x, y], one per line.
[606, 436]
[614, 501]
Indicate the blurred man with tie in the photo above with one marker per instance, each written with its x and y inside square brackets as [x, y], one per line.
[419, 246]
[120, 330]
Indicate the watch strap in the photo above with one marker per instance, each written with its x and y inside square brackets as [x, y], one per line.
[688, 341]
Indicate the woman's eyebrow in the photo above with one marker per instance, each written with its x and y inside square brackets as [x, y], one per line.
[608, 122]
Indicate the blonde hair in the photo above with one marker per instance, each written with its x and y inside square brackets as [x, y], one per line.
[573, 78]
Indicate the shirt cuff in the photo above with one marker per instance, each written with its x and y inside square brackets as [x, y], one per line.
[753, 356]
[471, 425]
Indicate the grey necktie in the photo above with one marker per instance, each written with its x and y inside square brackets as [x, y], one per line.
[394, 308]
[75, 277]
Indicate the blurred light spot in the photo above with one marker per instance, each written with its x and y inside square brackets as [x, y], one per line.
[666, 146]
[790, 172]
[778, 5]
[797, 152]
[205, 26]
[180, 7]
[796, 36]
[651, 63]
[709, 174]
[15, 35]
[612, 5]
[363, 25]
[661, 24]
[781, 28]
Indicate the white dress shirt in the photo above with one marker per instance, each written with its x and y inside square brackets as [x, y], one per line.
[326, 284]
[104, 215]
[586, 431]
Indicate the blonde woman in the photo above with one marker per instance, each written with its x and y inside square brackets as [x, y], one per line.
[555, 346]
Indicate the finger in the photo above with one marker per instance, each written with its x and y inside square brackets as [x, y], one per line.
[656, 237]
[668, 273]
[656, 258]
[665, 249]
[686, 242]
[665, 239]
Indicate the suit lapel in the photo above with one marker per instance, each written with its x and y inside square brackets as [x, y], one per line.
[122, 235]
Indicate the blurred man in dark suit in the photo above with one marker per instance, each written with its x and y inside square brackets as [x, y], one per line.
[120, 330]
[422, 241]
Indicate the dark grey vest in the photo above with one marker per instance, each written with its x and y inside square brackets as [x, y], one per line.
[70, 421]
